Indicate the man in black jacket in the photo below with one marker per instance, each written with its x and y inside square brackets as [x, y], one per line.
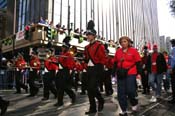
[156, 67]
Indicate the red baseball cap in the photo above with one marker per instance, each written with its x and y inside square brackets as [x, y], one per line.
[155, 46]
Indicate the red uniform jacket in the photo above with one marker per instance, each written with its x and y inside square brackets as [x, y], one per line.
[50, 63]
[20, 63]
[95, 52]
[66, 61]
[35, 63]
[78, 67]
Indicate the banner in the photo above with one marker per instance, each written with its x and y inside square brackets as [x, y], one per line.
[20, 35]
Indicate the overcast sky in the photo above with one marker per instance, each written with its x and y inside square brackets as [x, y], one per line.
[166, 20]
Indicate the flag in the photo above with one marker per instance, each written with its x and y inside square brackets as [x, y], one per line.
[3, 4]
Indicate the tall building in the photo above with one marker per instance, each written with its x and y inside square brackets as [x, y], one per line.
[3, 18]
[113, 18]
[168, 44]
[162, 44]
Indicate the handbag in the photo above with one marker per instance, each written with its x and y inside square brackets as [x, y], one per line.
[123, 72]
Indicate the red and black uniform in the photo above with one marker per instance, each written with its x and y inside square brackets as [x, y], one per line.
[95, 58]
[63, 79]
[83, 78]
[49, 77]
[107, 76]
[20, 67]
[75, 75]
[35, 66]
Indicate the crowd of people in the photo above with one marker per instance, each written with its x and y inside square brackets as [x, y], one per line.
[96, 69]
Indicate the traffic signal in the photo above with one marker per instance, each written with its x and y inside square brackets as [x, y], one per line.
[49, 33]
[80, 40]
[27, 33]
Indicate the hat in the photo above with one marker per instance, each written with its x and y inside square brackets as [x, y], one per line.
[90, 28]
[155, 46]
[172, 41]
[66, 41]
[145, 47]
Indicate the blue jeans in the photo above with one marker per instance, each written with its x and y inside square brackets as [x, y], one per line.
[155, 81]
[127, 89]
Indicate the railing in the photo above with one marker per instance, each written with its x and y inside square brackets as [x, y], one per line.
[38, 35]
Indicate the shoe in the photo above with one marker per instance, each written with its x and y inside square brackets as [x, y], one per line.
[100, 106]
[26, 89]
[123, 114]
[30, 95]
[58, 104]
[144, 92]
[153, 99]
[172, 101]
[17, 92]
[91, 112]
[44, 99]
[4, 107]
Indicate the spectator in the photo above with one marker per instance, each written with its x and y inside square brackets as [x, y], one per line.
[156, 67]
[127, 60]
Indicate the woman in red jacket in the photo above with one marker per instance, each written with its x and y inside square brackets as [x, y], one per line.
[127, 58]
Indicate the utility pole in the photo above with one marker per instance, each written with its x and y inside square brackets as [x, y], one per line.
[68, 21]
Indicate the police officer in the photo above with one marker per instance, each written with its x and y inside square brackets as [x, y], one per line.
[49, 77]
[20, 67]
[35, 65]
[95, 58]
[63, 81]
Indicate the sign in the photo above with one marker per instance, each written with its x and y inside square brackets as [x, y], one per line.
[20, 35]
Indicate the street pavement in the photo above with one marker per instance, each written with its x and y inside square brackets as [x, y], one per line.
[21, 105]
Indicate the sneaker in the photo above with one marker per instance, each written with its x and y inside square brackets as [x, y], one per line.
[153, 99]
[135, 108]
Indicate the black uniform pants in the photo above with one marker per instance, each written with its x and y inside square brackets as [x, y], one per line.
[145, 84]
[93, 86]
[19, 83]
[107, 82]
[49, 79]
[32, 77]
[1, 102]
[84, 82]
[63, 84]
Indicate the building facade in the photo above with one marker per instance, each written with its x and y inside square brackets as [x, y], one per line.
[113, 18]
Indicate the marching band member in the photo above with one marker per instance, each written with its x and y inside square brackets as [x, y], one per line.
[20, 64]
[35, 66]
[63, 80]
[50, 72]
[84, 78]
[95, 56]
[108, 72]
